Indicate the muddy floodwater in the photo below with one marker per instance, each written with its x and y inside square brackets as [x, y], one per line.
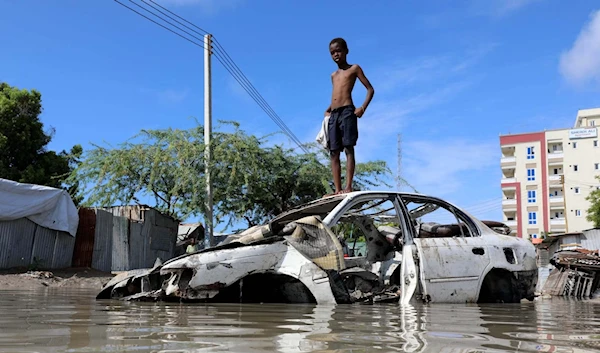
[66, 320]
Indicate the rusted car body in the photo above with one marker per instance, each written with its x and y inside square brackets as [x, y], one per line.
[418, 248]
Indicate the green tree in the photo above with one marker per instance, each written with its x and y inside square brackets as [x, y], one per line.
[23, 142]
[593, 213]
[252, 181]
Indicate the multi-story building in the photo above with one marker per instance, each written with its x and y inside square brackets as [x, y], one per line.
[547, 175]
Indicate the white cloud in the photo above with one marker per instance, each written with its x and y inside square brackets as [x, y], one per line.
[499, 7]
[440, 167]
[211, 6]
[388, 116]
[581, 63]
[473, 8]
[506, 6]
[172, 95]
[424, 70]
[166, 95]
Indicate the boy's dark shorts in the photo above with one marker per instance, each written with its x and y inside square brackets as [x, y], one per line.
[342, 128]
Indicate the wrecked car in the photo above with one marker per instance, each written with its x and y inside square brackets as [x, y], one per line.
[417, 248]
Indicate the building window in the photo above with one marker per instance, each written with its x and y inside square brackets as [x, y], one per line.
[530, 196]
[533, 236]
[530, 153]
[530, 174]
[592, 122]
[575, 168]
[576, 190]
[596, 166]
[595, 143]
[578, 213]
[532, 218]
[574, 144]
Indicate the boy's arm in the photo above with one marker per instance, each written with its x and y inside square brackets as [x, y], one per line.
[370, 90]
[328, 110]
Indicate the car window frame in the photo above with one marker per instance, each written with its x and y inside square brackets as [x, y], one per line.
[334, 216]
[457, 212]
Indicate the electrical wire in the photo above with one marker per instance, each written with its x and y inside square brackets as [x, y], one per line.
[149, 19]
[223, 57]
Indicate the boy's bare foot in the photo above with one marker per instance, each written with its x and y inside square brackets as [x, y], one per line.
[345, 191]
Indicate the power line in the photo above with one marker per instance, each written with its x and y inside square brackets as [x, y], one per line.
[223, 58]
[246, 85]
[149, 19]
[220, 50]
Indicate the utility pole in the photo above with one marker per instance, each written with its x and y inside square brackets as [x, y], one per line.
[208, 217]
[399, 170]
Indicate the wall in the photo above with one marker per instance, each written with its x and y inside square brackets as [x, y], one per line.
[521, 142]
[24, 243]
[125, 238]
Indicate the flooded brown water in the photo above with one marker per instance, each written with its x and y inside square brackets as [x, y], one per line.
[63, 320]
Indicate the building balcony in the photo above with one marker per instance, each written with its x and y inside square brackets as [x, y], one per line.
[556, 163]
[508, 162]
[556, 155]
[554, 179]
[505, 180]
[558, 222]
[506, 202]
[557, 200]
[512, 224]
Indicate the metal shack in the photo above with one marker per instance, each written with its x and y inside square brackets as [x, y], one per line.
[576, 255]
[123, 238]
[38, 225]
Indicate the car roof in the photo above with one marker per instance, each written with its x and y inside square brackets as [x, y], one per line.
[341, 197]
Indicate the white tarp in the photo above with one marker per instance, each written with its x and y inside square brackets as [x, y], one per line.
[48, 207]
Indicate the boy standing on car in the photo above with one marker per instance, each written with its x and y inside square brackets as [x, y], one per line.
[343, 124]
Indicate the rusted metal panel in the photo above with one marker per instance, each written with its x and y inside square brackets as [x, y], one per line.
[44, 242]
[16, 238]
[133, 212]
[120, 246]
[63, 250]
[126, 237]
[84, 241]
[103, 238]
[136, 246]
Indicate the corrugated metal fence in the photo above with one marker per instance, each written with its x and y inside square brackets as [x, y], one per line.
[125, 238]
[24, 243]
[590, 239]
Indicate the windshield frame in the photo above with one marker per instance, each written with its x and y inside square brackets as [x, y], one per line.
[321, 207]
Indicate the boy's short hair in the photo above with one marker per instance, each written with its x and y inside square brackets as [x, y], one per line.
[341, 42]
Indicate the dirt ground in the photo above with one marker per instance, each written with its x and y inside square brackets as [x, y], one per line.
[20, 278]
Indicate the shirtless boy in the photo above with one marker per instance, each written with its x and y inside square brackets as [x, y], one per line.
[343, 125]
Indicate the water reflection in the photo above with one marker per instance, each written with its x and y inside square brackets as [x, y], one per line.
[58, 320]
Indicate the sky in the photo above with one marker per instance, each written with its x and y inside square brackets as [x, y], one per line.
[450, 75]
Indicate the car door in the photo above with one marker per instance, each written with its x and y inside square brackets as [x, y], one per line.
[452, 259]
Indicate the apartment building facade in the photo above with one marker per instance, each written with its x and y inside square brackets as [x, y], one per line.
[547, 175]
